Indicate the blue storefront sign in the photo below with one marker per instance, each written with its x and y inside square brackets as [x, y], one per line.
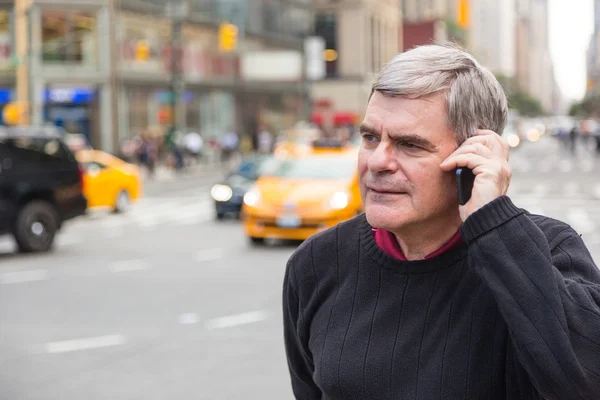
[6, 95]
[69, 95]
[55, 95]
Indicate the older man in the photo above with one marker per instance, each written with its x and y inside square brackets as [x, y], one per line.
[421, 298]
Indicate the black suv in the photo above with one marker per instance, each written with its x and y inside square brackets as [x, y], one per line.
[41, 185]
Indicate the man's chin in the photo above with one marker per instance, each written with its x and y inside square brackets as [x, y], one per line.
[387, 217]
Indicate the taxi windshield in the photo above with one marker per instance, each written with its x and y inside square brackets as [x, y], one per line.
[318, 167]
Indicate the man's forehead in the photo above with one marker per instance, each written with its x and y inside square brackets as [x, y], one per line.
[402, 116]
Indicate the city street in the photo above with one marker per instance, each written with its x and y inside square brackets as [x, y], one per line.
[164, 302]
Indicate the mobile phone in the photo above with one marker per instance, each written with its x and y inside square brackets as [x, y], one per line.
[464, 183]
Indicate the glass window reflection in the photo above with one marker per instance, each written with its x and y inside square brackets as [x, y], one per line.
[69, 37]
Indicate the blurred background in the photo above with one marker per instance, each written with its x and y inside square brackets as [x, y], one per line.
[160, 160]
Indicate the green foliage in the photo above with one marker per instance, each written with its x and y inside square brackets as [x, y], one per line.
[526, 104]
[588, 107]
[456, 33]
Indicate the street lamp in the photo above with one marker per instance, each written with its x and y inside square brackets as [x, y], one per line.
[177, 10]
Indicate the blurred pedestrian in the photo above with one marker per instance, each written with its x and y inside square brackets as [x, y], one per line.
[229, 145]
[193, 144]
[174, 144]
[265, 141]
[420, 298]
[573, 135]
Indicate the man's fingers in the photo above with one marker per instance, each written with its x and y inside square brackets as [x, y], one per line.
[475, 148]
[492, 140]
[469, 160]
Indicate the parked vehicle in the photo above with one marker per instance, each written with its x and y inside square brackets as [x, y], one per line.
[41, 186]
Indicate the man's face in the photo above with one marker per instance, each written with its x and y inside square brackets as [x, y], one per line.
[403, 143]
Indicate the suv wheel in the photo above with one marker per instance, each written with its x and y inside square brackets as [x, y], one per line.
[122, 202]
[36, 226]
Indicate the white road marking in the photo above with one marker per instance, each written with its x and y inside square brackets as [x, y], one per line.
[587, 165]
[566, 166]
[572, 189]
[580, 220]
[188, 319]
[114, 232]
[592, 240]
[235, 320]
[85, 344]
[69, 239]
[129, 265]
[23, 276]
[596, 192]
[540, 189]
[546, 166]
[210, 254]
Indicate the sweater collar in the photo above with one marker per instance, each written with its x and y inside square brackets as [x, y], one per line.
[389, 244]
[433, 263]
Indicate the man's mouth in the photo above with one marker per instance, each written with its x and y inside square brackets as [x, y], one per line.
[385, 191]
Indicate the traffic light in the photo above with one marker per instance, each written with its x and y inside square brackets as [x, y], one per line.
[13, 114]
[228, 37]
[142, 51]
[462, 17]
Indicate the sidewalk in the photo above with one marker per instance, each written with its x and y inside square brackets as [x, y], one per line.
[163, 173]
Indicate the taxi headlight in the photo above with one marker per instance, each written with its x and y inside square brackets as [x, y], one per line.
[221, 192]
[339, 200]
[252, 197]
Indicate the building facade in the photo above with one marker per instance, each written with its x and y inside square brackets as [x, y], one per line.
[84, 72]
[427, 10]
[492, 35]
[593, 55]
[360, 35]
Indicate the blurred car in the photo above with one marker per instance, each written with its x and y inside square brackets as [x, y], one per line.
[299, 196]
[109, 181]
[76, 142]
[229, 193]
[41, 186]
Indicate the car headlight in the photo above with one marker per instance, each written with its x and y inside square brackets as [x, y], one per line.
[252, 197]
[513, 140]
[339, 200]
[221, 192]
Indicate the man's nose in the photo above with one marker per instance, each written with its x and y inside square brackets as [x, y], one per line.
[383, 159]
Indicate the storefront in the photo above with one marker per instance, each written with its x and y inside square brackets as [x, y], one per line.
[74, 109]
[6, 96]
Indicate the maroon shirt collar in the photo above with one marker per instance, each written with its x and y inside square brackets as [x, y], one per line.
[388, 243]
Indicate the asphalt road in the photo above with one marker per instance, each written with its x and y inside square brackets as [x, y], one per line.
[166, 303]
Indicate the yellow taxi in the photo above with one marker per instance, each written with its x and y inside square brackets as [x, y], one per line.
[300, 195]
[109, 181]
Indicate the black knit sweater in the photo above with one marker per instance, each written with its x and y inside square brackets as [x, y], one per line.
[514, 313]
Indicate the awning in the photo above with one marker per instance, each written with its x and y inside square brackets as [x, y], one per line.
[339, 118]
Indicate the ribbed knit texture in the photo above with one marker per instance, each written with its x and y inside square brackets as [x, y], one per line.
[514, 313]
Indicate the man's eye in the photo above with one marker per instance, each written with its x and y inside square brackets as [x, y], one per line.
[369, 138]
[410, 146]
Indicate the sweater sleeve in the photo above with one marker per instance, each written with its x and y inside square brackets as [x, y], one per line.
[296, 342]
[548, 291]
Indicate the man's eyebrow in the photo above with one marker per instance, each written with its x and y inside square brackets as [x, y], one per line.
[402, 138]
[414, 139]
[364, 128]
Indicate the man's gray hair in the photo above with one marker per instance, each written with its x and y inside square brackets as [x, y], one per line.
[474, 98]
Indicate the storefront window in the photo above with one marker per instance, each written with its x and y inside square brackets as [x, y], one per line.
[202, 6]
[272, 16]
[217, 113]
[297, 21]
[69, 37]
[6, 42]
